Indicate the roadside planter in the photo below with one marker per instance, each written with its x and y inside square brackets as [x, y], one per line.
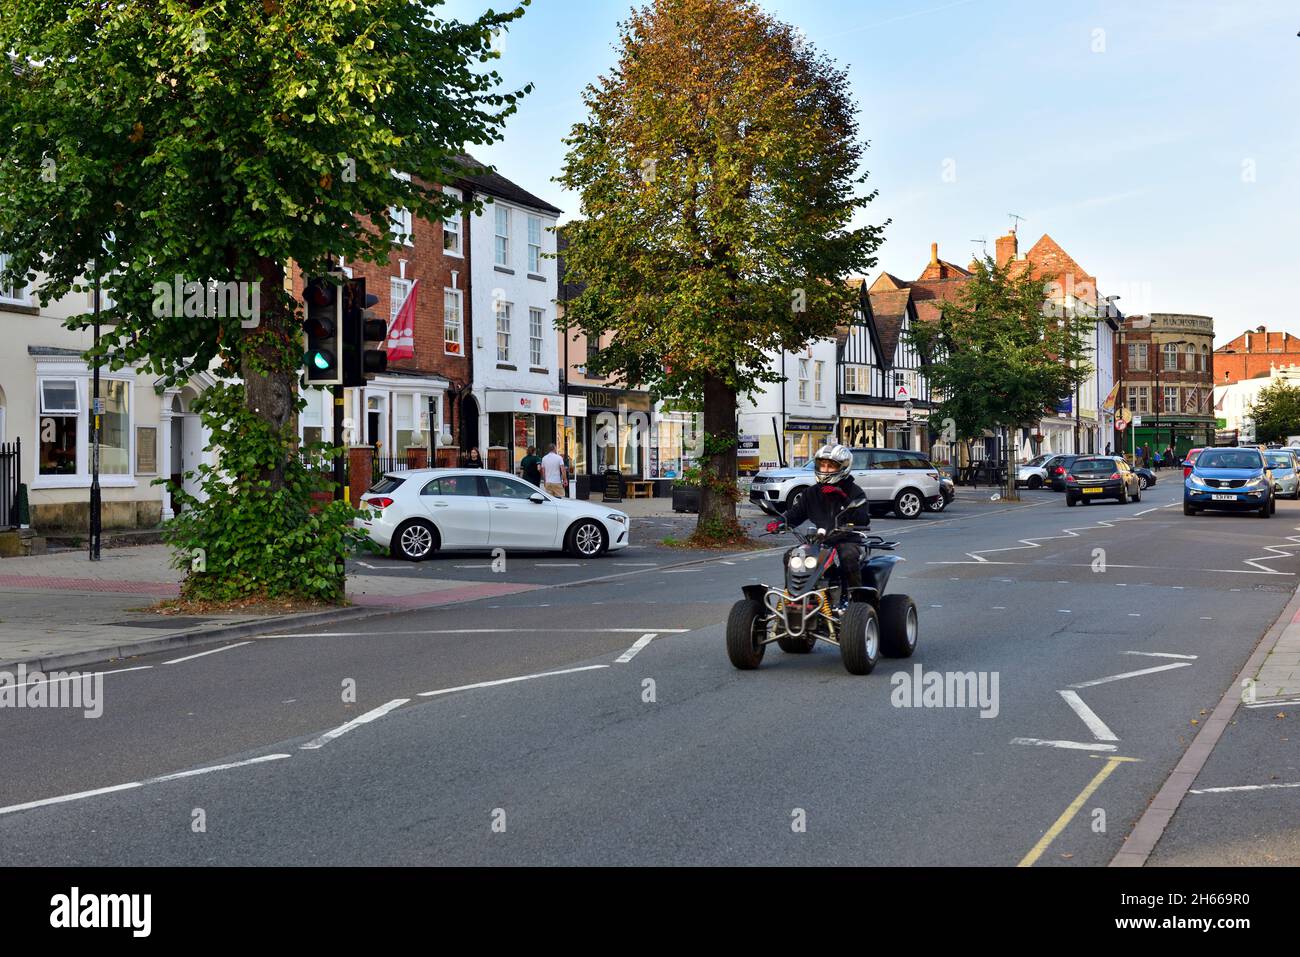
[686, 498]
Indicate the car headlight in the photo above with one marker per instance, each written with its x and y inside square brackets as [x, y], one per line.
[1256, 482]
[617, 517]
[1196, 483]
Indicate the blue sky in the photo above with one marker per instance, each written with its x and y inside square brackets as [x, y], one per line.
[1158, 141]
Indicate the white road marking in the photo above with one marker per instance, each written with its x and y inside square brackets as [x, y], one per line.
[177, 661]
[637, 645]
[1088, 716]
[999, 607]
[63, 799]
[131, 785]
[75, 677]
[217, 767]
[1243, 787]
[487, 631]
[637, 564]
[506, 681]
[1286, 702]
[1132, 674]
[356, 722]
[1161, 654]
[1135, 614]
[1065, 611]
[1070, 745]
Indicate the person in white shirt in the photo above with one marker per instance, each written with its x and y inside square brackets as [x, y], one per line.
[555, 477]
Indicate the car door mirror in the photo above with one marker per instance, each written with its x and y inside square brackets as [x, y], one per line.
[537, 498]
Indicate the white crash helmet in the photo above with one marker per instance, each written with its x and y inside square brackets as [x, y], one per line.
[832, 463]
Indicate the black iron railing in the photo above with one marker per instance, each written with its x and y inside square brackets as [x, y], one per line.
[390, 463]
[11, 463]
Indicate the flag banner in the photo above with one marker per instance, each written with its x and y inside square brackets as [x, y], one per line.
[401, 334]
[1108, 406]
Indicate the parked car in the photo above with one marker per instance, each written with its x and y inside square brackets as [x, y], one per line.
[1056, 468]
[1229, 480]
[414, 513]
[1146, 476]
[900, 480]
[1101, 476]
[1283, 464]
[947, 492]
[1190, 461]
[1033, 473]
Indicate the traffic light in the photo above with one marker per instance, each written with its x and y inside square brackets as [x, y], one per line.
[361, 327]
[324, 330]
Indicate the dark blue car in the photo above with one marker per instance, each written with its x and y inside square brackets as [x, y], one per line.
[1229, 480]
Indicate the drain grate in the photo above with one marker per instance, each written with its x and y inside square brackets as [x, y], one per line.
[168, 623]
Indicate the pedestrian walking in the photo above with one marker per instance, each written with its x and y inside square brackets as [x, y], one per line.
[531, 466]
[473, 460]
[554, 475]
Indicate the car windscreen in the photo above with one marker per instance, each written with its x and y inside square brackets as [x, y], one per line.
[389, 483]
[1230, 459]
[1037, 460]
[1280, 460]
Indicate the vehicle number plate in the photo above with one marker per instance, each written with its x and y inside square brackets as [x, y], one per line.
[1224, 498]
[1091, 491]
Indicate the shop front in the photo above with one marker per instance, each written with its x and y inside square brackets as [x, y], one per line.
[678, 435]
[616, 434]
[883, 426]
[804, 437]
[1180, 433]
[520, 420]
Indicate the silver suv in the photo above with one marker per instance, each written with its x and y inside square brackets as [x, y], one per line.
[898, 479]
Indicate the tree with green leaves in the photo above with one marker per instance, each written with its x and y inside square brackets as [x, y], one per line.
[1001, 355]
[221, 143]
[1276, 411]
[718, 170]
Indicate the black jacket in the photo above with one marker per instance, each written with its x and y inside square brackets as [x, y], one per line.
[822, 504]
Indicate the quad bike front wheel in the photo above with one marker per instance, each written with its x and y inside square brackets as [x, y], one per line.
[745, 631]
[860, 638]
[899, 626]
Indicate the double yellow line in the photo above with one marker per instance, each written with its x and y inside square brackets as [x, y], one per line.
[1068, 814]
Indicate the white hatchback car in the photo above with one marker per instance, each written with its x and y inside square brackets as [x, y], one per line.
[415, 512]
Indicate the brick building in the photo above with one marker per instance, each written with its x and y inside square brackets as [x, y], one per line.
[1166, 373]
[1253, 354]
[411, 405]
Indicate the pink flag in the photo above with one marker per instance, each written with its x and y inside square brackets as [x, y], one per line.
[401, 334]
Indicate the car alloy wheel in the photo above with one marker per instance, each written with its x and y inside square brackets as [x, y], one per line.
[588, 540]
[908, 504]
[1142, 482]
[416, 541]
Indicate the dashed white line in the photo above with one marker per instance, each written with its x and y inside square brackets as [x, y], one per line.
[506, 681]
[217, 767]
[177, 661]
[1161, 654]
[637, 645]
[356, 722]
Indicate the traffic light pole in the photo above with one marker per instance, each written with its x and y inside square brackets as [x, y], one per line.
[340, 471]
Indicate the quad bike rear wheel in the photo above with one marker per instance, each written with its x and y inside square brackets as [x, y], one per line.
[745, 631]
[860, 638]
[899, 626]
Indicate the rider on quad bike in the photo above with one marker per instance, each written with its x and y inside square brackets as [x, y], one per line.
[824, 503]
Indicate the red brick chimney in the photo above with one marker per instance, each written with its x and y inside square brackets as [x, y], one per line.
[1006, 248]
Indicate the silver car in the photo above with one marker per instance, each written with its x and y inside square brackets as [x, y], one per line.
[1286, 480]
[898, 479]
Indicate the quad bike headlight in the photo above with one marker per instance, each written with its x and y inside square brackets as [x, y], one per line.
[796, 562]
[810, 562]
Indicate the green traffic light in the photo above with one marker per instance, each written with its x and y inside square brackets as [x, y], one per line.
[320, 361]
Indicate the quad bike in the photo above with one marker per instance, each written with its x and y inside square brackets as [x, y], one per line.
[815, 605]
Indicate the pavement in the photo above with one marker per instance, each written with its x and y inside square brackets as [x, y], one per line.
[596, 720]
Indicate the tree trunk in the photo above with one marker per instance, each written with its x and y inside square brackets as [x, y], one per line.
[1011, 492]
[270, 387]
[717, 507]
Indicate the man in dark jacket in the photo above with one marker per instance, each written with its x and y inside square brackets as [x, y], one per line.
[824, 505]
